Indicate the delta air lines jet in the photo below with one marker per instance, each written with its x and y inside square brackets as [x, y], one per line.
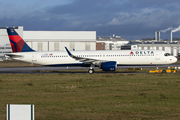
[105, 60]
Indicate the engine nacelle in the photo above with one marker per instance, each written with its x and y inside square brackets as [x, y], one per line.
[109, 66]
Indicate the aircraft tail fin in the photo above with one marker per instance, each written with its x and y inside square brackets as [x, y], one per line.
[17, 43]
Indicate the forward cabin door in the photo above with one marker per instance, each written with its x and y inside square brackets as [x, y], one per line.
[157, 56]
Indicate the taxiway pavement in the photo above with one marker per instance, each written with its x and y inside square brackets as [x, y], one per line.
[45, 68]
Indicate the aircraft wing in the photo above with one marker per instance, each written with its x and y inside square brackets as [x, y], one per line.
[85, 60]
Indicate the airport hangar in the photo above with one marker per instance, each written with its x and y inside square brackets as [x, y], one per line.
[50, 40]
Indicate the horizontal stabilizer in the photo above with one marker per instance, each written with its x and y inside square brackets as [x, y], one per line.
[9, 55]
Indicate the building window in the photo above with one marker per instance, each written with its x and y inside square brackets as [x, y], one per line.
[87, 46]
[40, 46]
[7, 47]
[72, 46]
[172, 51]
[163, 48]
[56, 46]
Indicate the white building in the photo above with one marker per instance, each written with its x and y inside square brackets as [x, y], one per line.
[57, 40]
[170, 47]
[113, 43]
[50, 40]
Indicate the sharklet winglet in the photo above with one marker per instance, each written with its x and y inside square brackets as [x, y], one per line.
[69, 53]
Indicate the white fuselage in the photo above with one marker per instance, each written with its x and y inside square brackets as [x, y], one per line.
[122, 57]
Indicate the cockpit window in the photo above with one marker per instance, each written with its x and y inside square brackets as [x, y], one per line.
[167, 54]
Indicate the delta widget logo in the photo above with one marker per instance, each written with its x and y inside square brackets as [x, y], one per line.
[131, 53]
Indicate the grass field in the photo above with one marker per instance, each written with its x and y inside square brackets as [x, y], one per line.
[93, 96]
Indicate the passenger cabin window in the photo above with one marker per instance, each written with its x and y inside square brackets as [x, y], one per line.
[167, 54]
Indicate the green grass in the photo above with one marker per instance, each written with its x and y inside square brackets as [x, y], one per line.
[93, 96]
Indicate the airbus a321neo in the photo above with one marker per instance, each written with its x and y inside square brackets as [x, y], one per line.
[105, 60]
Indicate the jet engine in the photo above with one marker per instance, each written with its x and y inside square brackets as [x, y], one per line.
[109, 66]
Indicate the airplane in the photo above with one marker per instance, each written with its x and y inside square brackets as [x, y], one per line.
[107, 60]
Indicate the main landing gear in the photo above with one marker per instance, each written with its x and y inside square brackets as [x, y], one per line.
[91, 70]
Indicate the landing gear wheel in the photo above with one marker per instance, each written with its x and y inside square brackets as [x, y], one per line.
[91, 71]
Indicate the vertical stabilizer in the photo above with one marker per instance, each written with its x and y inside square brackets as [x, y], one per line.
[17, 43]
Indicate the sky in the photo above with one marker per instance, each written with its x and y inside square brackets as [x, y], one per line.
[130, 19]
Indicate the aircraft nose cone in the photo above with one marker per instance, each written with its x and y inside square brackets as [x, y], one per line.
[174, 59]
